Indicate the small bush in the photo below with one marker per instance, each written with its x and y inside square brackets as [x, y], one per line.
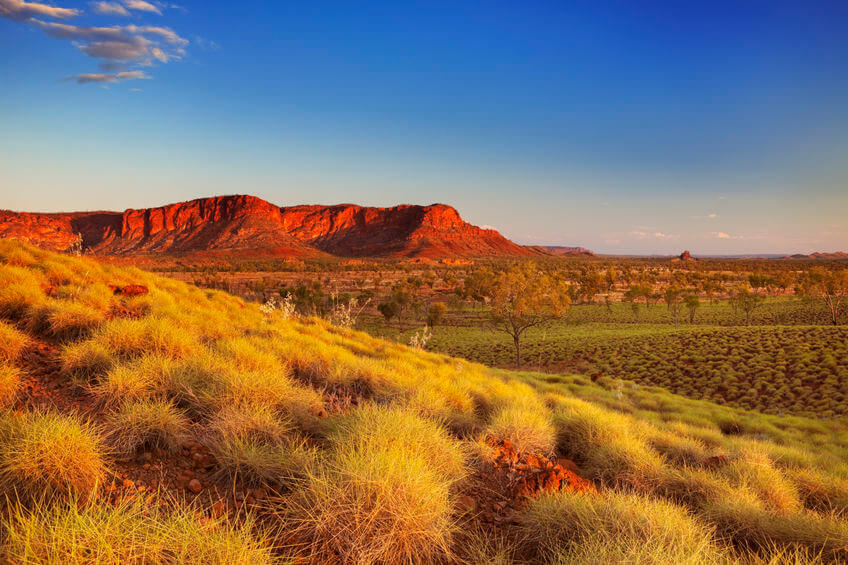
[146, 424]
[51, 454]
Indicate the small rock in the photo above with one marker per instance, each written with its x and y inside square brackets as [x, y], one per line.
[195, 486]
[467, 503]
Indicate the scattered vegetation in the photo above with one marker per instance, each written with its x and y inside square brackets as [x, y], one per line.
[368, 451]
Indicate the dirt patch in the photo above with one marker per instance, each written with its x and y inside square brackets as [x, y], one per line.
[505, 482]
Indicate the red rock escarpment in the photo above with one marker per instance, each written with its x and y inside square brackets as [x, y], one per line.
[247, 223]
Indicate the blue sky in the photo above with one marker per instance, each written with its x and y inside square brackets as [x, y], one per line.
[625, 127]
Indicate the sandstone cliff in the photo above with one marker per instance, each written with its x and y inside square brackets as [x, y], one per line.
[252, 225]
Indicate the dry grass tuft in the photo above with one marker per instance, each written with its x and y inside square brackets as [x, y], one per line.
[10, 379]
[12, 343]
[255, 445]
[129, 533]
[616, 528]
[375, 500]
[146, 424]
[49, 454]
[528, 426]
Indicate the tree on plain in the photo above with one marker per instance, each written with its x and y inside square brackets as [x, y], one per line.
[523, 297]
[830, 286]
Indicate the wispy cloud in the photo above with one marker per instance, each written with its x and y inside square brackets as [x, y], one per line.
[106, 77]
[137, 44]
[119, 48]
[109, 9]
[721, 235]
[22, 10]
[142, 6]
[638, 234]
[205, 44]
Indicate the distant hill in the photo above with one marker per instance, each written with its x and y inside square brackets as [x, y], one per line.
[571, 251]
[836, 255]
[248, 224]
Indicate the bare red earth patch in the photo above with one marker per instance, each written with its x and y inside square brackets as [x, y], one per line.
[506, 481]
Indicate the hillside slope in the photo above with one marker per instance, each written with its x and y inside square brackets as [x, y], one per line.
[250, 224]
[146, 420]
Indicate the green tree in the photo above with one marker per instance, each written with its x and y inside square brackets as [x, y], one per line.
[831, 287]
[672, 299]
[692, 303]
[389, 310]
[436, 313]
[523, 297]
[746, 301]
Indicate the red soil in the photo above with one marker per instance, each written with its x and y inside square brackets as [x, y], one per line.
[503, 484]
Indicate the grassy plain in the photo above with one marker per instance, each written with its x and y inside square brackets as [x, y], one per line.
[366, 450]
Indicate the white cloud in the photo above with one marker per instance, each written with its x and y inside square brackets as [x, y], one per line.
[22, 10]
[142, 6]
[119, 48]
[109, 9]
[137, 44]
[105, 77]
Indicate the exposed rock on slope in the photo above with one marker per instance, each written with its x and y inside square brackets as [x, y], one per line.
[250, 224]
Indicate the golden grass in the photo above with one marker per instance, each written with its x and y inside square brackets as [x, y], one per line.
[376, 428]
[49, 454]
[88, 359]
[610, 447]
[378, 480]
[65, 320]
[529, 427]
[615, 527]
[10, 379]
[129, 533]
[146, 424]
[141, 378]
[12, 342]
[253, 444]
[376, 501]
[18, 299]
